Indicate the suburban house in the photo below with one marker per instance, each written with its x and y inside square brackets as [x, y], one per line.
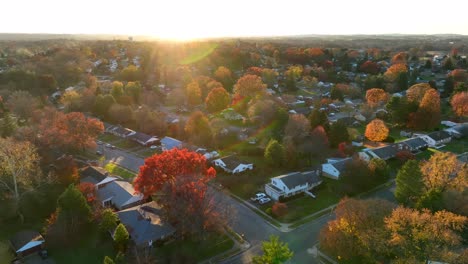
[292, 183]
[143, 139]
[25, 243]
[458, 131]
[437, 138]
[412, 144]
[119, 194]
[120, 131]
[232, 164]
[169, 143]
[145, 225]
[384, 153]
[334, 168]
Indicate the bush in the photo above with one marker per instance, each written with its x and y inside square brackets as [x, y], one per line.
[389, 139]
[279, 209]
[268, 211]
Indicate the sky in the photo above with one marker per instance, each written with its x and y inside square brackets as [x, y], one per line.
[185, 19]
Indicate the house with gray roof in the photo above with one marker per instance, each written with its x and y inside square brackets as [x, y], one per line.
[119, 194]
[143, 139]
[413, 144]
[384, 153]
[232, 164]
[334, 168]
[437, 138]
[169, 143]
[292, 184]
[93, 174]
[145, 224]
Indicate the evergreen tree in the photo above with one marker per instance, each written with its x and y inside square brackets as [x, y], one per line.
[274, 252]
[274, 153]
[402, 81]
[336, 94]
[338, 133]
[108, 221]
[409, 183]
[121, 237]
[318, 118]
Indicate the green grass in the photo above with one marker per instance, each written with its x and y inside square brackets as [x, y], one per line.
[126, 144]
[148, 153]
[117, 170]
[92, 248]
[6, 255]
[108, 138]
[456, 146]
[194, 249]
[425, 155]
[305, 205]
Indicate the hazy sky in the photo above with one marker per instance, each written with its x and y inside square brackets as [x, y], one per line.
[185, 19]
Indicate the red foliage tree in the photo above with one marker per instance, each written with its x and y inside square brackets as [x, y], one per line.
[279, 209]
[460, 104]
[88, 190]
[459, 75]
[370, 67]
[180, 178]
[375, 96]
[255, 71]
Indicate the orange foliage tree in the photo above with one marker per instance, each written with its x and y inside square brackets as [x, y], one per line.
[394, 71]
[370, 67]
[72, 131]
[375, 96]
[180, 178]
[460, 104]
[400, 58]
[459, 75]
[249, 86]
[416, 92]
[224, 75]
[279, 209]
[193, 93]
[376, 130]
[428, 114]
[88, 190]
[218, 99]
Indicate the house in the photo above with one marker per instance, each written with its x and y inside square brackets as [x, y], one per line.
[119, 194]
[93, 174]
[121, 131]
[384, 153]
[292, 183]
[169, 143]
[412, 144]
[334, 168]
[458, 131]
[232, 164]
[143, 139]
[145, 225]
[27, 242]
[437, 138]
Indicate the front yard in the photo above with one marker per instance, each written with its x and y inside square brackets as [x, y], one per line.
[120, 171]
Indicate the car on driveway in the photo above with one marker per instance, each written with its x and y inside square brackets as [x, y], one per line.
[108, 145]
[99, 142]
[264, 200]
[98, 152]
[257, 197]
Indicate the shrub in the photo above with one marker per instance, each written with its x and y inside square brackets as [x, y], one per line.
[268, 210]
[279, 209]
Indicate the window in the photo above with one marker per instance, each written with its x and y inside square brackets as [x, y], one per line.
[107, 203]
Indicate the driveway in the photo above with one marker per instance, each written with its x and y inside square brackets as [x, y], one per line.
[123, 158]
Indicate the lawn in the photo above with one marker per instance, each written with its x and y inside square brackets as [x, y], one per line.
[194, 250]
[456, 146]
[92, 248]
[148, 152]
[5, 253]
[305, 205]
[127, 144]
[117, 170]
[425, 155]
[108, 138]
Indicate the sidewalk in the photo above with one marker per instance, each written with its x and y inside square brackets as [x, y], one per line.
[236, 249]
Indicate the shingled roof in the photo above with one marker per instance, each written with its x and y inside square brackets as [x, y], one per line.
[293, 179]
[93, 174]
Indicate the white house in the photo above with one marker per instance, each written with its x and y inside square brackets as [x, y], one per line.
[437, 138]
[232, 164]
[333, 169]
[292, 183]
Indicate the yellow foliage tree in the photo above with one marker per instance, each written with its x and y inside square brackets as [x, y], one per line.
[376, 130]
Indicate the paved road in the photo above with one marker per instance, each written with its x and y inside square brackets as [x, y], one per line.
[254, 227]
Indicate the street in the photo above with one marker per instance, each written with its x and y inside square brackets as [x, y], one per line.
[245, 221]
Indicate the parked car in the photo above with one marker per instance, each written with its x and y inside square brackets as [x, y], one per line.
[98, 153]
[108, 145]
[99, 142]
[154, 147]
[264, 200]
[257, 197]
[112, 147]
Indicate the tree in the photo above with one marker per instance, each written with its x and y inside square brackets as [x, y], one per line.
[217, 100]
[376, 130]
[428, 114]
[117, 89]
[262, 112]
[392, 74]
[279, 209]
[121, 114]
[274, 153]
[199, 130]
[318, 118]
[400, 58]
[22, 104]
[134, 90]
[298, 126]
[459, 104]
[131, 74]
[88, 190]
[180, 178]
[336, 94]
[338, 133]
[102, 104]
[7, 125]
[370, 67]
[400, 109]
[19, 171]
[193, 94]
[269, 77]
[224, 75]
[121, 238]
[375, 96]
[409, 183]
[416, 92]
[109, 220]
[249, 86]
[438, 170]
[72, 131]
[66, 170]
[422, 235]
[71, 100]
[108, 260]
[274, 252]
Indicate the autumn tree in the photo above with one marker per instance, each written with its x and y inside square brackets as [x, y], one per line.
[269, 77]
[108, 221]
[428, 114]
[121, 238]
[249, 86]
[292, 75]
[102, 104]
[395, 71]
[279, 209]
[72, 131]
[338, 133]
[8, 125]
[131, 74]
[375, 96]
[369, 67]
[459, 104]
[298, 126]
[22, 104]
[416, 92]
[71, 101]
[218, 99]
[376, 130]
[121, 114]
[198, 129]
[133, 89]
[318, 118]
[224, 75]
[66, 170]
[422, 235]
[108, 260]
[400, 58]
[180, 178]
[150, 122]
[439, 170]
[274, 252]
[274, 153]
[193, 94]
[88, 190]
[19, 171]
[409, 183]
[117, 90]
[262, 112]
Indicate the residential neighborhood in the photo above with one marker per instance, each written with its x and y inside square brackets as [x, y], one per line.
[304, 149]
